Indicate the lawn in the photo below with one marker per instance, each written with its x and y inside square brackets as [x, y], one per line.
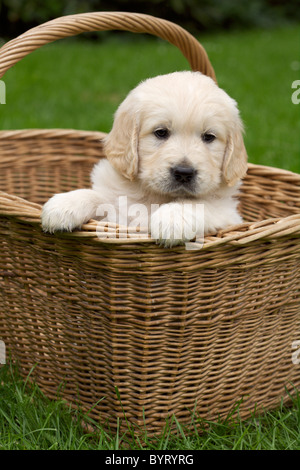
[79, 84]
[28, 420]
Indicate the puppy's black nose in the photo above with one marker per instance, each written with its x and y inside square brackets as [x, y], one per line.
[183, 174]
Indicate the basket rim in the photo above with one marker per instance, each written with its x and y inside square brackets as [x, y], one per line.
[245, 233]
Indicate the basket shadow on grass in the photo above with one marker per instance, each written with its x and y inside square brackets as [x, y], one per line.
[33, 421]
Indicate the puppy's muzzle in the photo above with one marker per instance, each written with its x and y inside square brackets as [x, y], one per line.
[183, 174]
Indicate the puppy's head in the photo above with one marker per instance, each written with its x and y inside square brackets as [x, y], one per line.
[179, 134]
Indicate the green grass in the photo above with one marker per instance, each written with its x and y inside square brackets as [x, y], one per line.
[72, 84]
[28, 420]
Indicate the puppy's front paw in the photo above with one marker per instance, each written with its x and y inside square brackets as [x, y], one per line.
[67, 211]
[59, 214]
[174, 224]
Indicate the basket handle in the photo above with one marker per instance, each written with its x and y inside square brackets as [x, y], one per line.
[71, 25]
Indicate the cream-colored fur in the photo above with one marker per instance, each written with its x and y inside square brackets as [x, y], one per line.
[165, 125]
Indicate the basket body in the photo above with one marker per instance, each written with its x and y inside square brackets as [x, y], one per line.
[173, 330]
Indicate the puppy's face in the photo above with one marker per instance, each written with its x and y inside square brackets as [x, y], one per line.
[179, 135]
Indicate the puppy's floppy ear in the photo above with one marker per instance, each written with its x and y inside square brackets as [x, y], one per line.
[121, 144]
[235, 157]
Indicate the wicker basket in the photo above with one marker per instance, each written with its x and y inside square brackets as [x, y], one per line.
[172, 329]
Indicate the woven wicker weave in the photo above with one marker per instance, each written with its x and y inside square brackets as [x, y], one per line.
[172, 329]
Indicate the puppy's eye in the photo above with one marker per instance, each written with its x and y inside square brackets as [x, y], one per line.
[208, 138]
[162, 133]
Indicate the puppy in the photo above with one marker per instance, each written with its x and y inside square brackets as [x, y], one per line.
[176, 144]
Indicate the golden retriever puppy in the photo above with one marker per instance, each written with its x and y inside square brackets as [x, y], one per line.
[176, 145]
